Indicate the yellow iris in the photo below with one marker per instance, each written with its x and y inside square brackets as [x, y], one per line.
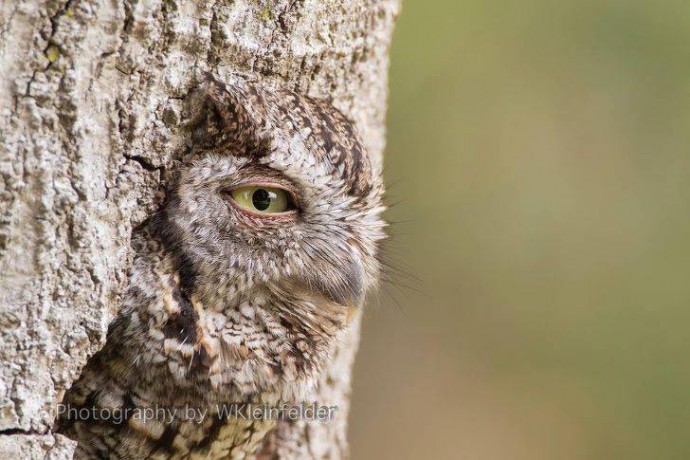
[262, 200]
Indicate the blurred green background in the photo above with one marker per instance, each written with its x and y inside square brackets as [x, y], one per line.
[540, 150]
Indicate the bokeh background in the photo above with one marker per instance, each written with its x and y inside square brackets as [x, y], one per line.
[540, 151]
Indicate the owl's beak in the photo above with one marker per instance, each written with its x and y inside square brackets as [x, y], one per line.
[344, 287]
[351, 314]
[349, 290]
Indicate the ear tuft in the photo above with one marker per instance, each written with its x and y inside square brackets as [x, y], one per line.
[220, 119]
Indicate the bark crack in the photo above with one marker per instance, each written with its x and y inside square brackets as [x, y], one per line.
[144, 163]
[49, 42]
[10, 18]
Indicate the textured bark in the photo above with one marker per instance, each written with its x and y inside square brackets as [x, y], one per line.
[91, 98]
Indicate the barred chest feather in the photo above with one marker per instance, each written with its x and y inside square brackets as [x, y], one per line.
[197, 361]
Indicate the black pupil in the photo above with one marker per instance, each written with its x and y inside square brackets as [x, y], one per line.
[261, 199]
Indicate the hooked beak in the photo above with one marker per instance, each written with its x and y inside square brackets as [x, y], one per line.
[343, 285]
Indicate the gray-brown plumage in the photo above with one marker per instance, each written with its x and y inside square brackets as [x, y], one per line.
[227, 304]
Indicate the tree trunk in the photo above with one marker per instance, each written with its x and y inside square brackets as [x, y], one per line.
[90, 102]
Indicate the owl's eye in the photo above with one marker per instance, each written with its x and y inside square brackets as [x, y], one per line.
[263, 200]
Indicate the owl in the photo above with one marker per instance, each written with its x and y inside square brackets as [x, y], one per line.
[265, 245]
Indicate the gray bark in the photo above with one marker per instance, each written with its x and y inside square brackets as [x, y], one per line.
[91, 97]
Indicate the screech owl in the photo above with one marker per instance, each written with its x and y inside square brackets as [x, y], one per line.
[266, 243]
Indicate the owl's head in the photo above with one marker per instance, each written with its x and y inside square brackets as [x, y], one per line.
[275, 209]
